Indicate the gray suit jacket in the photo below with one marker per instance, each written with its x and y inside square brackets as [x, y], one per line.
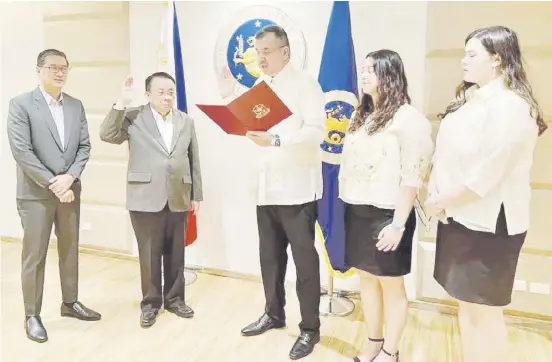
[155, 175]
[36, 145]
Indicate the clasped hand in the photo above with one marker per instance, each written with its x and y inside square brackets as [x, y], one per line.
[60, 185]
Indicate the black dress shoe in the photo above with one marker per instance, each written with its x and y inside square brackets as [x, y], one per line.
[262, 325]
[304, 345]
[148, 317]
[35, 329]
[180, 309]
[79, 311]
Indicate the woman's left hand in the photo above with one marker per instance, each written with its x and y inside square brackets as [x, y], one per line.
[389, 239]
[432, 210]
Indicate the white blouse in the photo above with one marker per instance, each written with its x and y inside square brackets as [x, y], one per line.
[375, 167]
[487, 146]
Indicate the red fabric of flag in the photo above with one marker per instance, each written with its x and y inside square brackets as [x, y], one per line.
[191, 229]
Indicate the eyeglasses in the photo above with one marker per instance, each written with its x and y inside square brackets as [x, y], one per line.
[55, 69]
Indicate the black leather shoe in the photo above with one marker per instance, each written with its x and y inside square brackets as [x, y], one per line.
[148, 317]
[304, 345]
[262, 325]
[35, 329]
[79, 311]
[180, 309]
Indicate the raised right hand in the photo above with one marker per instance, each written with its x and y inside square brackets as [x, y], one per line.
[127, 92]
[226, 82]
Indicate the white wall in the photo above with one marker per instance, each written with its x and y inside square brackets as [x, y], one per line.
[227, 225]
[21, 28]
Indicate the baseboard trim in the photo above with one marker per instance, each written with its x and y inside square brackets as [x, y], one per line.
[513, 318]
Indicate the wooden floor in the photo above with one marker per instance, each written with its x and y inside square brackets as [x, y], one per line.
[223, 306]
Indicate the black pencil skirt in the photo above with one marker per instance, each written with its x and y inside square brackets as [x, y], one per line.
[363, 224]
[475, 266]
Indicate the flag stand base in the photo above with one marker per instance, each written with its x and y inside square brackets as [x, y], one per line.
[332, 305]
[335, 305]
[190, 276]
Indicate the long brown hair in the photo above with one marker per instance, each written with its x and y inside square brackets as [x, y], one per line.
[501, 41]
[392, 92]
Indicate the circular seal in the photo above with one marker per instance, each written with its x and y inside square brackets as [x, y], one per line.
[235, 47]
[340, 106]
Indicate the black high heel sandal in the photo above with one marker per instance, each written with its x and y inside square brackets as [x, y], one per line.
[356, 359]
[395, 355]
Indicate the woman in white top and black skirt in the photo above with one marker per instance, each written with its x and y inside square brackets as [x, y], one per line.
[480, 187]
[384, 161]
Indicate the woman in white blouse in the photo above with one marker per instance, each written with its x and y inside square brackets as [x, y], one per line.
[480, 187]
[385, 156]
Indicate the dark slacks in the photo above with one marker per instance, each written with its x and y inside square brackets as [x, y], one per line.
[280, 225]
[160, 237]
[37, 218]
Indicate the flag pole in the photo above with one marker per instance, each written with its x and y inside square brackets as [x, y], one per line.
[170, 60]
[338, 80]
[333, 304]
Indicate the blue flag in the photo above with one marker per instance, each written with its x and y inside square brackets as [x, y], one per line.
[170, 61]
[338, 79]
[181, 103]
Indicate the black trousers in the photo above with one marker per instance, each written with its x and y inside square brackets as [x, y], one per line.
[160, 237]
[280, 225]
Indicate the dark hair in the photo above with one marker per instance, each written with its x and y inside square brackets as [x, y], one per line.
[278, 32]
[392, 92]
[41, 59]
[501, 41]
[157, 75]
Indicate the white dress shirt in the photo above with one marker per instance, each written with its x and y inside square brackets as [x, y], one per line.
[56, 109]
[374, 167]
[487, 146]
[291, 174]
[165, 127]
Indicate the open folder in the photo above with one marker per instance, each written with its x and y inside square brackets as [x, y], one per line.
[258, 109]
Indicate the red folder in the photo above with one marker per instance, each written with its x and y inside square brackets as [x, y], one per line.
[258, 109]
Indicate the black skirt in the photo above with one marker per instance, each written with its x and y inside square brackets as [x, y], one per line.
[475, 266]
[363, 224]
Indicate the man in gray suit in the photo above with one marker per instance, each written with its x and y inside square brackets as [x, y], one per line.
[48, 136]
[163, 185]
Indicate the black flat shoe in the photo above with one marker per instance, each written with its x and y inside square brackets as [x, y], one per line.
[35, 329]
[304, 345]
[262, 325]
[148, 317]
[79, 311]
[180, 309]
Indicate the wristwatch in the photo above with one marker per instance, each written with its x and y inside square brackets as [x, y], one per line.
[275, 141]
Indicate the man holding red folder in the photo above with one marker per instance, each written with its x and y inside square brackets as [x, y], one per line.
[290, 183]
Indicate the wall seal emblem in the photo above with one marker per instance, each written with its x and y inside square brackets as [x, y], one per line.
[235, 47]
